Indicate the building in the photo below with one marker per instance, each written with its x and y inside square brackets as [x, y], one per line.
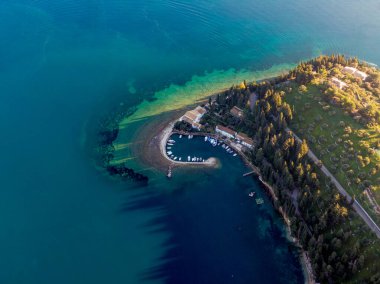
[349, 70]
[338, 83]
[244, 140]
[193, 117]
[225, 131]
[237, 112]
[355, 72]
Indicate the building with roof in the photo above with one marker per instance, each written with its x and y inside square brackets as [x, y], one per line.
[237, 112]
[244, 140]
[338, 83]
[225, 131]
[193, 117]
[355, 72]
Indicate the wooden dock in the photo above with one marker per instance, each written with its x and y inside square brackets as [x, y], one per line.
[248, 174]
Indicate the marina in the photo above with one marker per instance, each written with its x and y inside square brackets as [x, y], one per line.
[178, 153]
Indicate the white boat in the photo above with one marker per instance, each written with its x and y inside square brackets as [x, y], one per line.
[170, 144]
[180, 159]
[170, 152]
[206, 138]
[175, 158]
[171, 141]
[180, 136]
[203, 160]
[235, 155]
[168, 148]
[188, 158]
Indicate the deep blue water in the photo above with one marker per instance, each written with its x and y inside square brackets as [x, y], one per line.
[64, 62]
[220, 234]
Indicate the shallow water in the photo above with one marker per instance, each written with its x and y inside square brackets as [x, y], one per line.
[63, 62]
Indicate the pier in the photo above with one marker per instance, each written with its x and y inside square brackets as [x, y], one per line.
[248, 174]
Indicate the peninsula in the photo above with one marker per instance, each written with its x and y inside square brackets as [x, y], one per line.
[313, 137]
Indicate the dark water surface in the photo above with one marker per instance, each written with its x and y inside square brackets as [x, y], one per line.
[63, 62]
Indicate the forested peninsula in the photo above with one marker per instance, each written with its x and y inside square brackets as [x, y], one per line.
[316, 142]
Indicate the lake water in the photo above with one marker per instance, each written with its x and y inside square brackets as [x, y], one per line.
[65, 62]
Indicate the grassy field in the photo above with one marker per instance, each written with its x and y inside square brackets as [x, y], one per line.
[343, 145]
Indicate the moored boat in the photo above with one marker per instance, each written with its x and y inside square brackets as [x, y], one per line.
[252, 194]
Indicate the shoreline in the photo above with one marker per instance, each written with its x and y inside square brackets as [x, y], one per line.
[157, 132]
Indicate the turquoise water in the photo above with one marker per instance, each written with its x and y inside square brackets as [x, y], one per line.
[64, 62]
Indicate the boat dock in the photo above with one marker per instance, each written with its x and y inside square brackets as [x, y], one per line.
[170, 172]
[248, 174]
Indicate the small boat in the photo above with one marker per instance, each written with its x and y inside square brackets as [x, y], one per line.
[180, 136]
[170, 144]
[171, 141]
[180, 159]
[169, 152]
[175, 158]
[168, 148]
[203, 160]
[235, 155]
[188, 158]
[224, 146]
[206, 138]
[252, 194]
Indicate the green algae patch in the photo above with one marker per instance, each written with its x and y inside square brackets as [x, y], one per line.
[198, 88]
